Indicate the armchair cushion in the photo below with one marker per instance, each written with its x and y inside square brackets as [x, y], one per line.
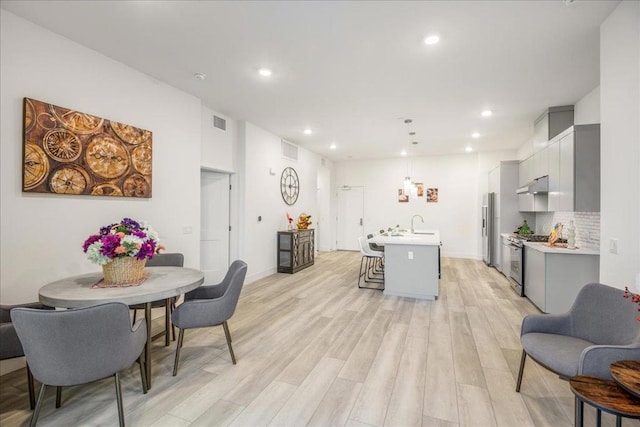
[559, 353]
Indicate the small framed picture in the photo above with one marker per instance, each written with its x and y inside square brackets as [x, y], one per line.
[420, 189]
[432, 195]
[402, 198]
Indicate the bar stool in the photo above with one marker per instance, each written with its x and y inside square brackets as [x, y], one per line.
[369, 260]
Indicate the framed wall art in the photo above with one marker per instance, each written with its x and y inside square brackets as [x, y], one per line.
[70, 152]
[432, 195]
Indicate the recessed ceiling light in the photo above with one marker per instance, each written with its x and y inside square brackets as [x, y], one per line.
[487, 113]
[432, 39]
[265, 72]
[403, 153]
[475, 135]
[468, 149]
[333, 146]
[307, 131]
[200, 76]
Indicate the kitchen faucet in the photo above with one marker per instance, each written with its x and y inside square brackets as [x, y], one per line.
[414, 217]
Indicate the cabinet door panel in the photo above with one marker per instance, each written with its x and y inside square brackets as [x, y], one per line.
[567, 173]
[554, 176]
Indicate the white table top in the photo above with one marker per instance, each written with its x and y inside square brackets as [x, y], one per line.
[420, 237]
[163, 283]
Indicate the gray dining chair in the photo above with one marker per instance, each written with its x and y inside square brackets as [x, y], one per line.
[163, 260]
[210, 305]
[11, 347]
[599, 329]
[77, 346]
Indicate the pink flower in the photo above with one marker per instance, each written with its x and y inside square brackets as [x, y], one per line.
[120, 234]
[161, 248]
[120, 250]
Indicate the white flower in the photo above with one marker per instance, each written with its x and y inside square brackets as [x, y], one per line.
[93, 253]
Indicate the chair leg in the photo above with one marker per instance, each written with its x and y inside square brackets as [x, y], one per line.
[143, 373]
[178, 347]
[119, 399]
[32, 392]
[579, 415]
[522, 360]
[58, 397]
[228, 335]
[36, 411]
[135, 314]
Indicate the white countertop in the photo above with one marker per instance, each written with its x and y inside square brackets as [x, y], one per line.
[419, 237]
[542, 247]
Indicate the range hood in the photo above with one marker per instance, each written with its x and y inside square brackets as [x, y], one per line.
[537, 186]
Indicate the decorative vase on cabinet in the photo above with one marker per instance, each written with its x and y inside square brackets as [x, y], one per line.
[295, 250]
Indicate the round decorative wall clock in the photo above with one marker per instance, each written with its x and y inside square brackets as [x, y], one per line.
[289, 185]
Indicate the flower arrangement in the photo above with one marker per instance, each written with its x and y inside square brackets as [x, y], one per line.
[290, 219]
[635, 298]
[124, 239]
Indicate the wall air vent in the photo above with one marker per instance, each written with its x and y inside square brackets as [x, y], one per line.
[220, 123]
[289, 151]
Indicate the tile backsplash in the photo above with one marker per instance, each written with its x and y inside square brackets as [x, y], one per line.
[587, 226]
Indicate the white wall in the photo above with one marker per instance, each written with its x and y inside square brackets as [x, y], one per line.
[42, 234]
[587, 109]
[325, 221]
[217, 148]
[262, 153]
[456, 214]
[620, 144]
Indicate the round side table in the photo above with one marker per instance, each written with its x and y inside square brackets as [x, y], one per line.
[604, 395]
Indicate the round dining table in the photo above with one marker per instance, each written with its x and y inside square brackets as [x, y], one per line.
[161, 283]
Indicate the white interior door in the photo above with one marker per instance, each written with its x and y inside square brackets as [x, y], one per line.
[214, 230]
[350, 221]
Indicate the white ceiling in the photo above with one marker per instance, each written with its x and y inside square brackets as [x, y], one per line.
[353, 71]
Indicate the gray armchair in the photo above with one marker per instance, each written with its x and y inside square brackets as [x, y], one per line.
[210, 306]
[77, 346]
[599, 329]
[163, 260]
[11, 346]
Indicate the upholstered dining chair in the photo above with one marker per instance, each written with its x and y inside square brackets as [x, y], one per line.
[163, 260]
[11, 347]
[210, 305]
[77, 346]
[599, 329]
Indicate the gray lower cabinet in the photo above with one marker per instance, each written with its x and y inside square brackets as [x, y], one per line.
[552, 280]
[506, 257]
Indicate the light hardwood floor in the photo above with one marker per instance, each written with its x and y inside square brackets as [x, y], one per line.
[313, 349]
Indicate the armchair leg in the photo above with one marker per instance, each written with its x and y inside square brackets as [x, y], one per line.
[228, 335]
[32, 392]
[119, 399]
[178, 347]
[522, 360]
[36, 411]
[58, 397]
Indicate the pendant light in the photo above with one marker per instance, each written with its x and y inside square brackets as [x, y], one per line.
[408, 185]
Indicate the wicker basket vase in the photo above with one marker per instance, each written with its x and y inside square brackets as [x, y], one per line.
[121, 271]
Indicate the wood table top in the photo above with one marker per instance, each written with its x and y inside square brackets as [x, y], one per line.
[605, 395]
[627, 374]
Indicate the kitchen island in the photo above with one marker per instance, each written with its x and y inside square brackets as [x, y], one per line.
[411, 263]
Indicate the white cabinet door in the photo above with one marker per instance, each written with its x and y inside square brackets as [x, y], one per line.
[540, 163]
[554, 177]
[567, 173]
[506, 258]
[525, 171]
[535, 280]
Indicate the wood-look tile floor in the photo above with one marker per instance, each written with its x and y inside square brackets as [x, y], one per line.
[313, 349]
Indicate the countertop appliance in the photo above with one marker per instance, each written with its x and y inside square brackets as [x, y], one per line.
[488, 226]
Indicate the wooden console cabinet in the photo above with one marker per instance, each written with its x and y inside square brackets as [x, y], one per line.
[295, 250]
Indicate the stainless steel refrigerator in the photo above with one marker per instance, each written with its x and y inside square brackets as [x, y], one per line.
[488, 227]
